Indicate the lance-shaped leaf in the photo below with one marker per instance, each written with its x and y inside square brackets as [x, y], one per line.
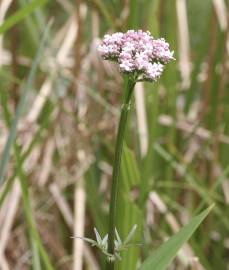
[163, 256]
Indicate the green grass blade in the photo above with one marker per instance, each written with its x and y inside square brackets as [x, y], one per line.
[24, 155]
[21, 14]
[33, 234]
[130, 179]
[25, 89]
[162, 257]
[36, 242]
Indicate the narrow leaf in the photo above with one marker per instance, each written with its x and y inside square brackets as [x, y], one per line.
[104, 241]
[130, 235]
[163, 256]
[98, 237]
[20, 14]
[118, 237]
[25, 89]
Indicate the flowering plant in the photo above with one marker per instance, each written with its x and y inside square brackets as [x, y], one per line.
[137, 53]
[142, 58]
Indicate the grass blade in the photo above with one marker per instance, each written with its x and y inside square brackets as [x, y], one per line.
[130, 179]
[21, 14]
[35, 238]
[27, 86]
[162, 257]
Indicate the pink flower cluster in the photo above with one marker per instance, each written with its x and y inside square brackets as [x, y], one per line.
[137, 53]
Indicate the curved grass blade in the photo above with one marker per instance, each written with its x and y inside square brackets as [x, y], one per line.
[163, 256]
[21, 14]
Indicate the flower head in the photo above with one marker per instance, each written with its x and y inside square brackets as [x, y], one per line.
[137, 53]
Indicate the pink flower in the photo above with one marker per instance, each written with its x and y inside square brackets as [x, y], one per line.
[161, 51]
[137, 53]
[153, 71]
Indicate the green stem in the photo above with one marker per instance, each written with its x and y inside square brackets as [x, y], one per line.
[116, 168]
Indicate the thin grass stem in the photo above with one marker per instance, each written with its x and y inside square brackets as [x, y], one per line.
[116, 168]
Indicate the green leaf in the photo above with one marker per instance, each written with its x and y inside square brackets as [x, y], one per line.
[130, 178]
[20, 14]
[163, 256]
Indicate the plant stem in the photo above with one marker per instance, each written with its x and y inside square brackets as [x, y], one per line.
[116, 167]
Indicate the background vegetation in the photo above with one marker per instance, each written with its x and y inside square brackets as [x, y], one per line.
[58, 116]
